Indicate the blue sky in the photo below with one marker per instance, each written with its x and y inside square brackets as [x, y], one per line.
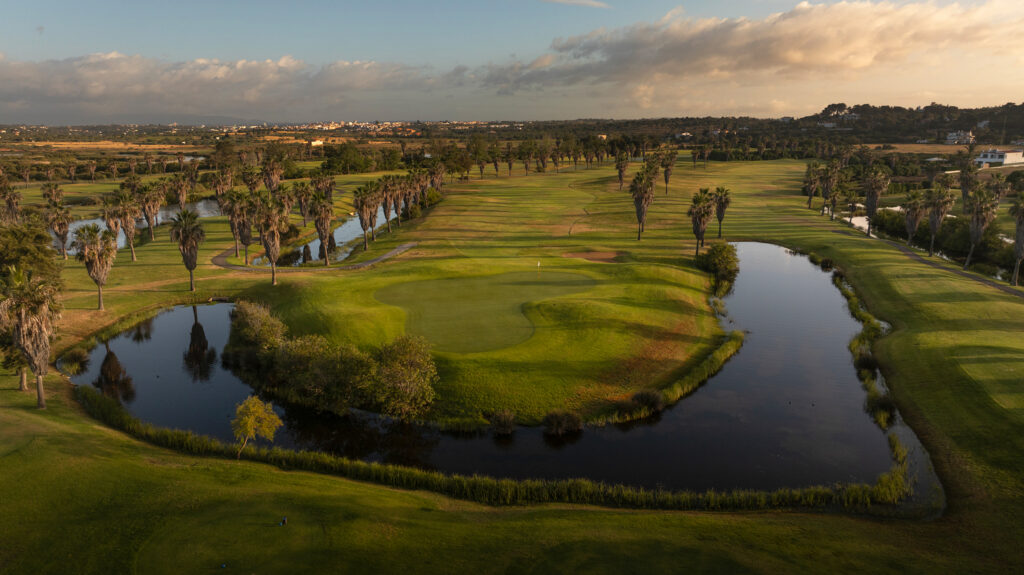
[441, 34]
[120, 61]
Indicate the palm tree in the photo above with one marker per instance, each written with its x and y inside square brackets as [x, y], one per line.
[968, 174]
[850, 199]
[812, 182]
[110, 212]
[271, 219]
[621, 165]
[52, 193]
[234, 206]
[188, 233]
[10, 210]
[181, 161]
[223, 181]
[828, 180]
[151, 198]
[180, 185]
[303, 193]
[128, 203]
[982, 207]
[365, 201]
[389, 188]
[722, 201]
[28, 309]
[97, 249]
[702, 207]
[914, 210]
[323, 215]
[91, 167]
[271, 175]
[1017, 211]
[642, 190]
[938, 201]
[325, 184]
[72, 172]
[999, 185]
[58, 219]
[875, 184]
[668, 163]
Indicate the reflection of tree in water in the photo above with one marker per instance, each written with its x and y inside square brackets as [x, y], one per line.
[142, 331]
[113, 381]
[359, 436]
[200, 357]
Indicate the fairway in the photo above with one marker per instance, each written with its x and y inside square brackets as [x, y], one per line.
[472, 314]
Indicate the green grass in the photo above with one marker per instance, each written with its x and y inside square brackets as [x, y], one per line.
[473, 314]
[78, 496]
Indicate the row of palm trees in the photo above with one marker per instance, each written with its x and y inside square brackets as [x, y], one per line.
[980, 202]
[56, 172]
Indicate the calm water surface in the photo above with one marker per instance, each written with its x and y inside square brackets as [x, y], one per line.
[343, 234]
[787, 411]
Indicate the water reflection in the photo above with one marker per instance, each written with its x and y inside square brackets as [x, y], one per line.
[200, 358]
[113, 380]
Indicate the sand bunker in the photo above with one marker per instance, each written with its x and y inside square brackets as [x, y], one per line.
[602, 257]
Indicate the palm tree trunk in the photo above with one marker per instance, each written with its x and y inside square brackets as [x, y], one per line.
[23, 372]
[1016, 270]
[236, 247]
[273, 273]
[131, 244]
[366, 242]
[100, 288]
[639, 229]
[40, 395]
[696, 251]
[191, 281]
[931, 246]
[719, 228]
[64, 251]
[970, 253]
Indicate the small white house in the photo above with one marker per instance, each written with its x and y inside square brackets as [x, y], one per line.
[994, 157]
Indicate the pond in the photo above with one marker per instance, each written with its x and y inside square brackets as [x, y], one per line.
[343, 234]
[787, 411]
[205, 209]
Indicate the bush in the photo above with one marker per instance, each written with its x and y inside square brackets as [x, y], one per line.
[75, 361]
[433, 196]
[504, 422]
[413, 212]
[562, 423]
[406, 375]
[723, 264]
[255, 325]
[650, 399]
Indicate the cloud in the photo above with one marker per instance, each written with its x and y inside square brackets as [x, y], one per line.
[789, 63]
[110, 84]
[824, 41]
[587, 3]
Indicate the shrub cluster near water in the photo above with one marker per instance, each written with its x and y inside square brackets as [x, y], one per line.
[396, 380]
[722, 262]
[890, 488]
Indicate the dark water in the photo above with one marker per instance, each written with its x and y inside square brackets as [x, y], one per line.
[343, 234]
[205, 209]
[787, 411]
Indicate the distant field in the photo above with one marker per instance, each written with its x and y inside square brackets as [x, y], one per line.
[108, 146]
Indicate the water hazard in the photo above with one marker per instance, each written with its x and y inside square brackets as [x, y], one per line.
[787, 411]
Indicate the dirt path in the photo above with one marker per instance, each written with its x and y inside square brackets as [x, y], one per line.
[221, 260]
[938, 265]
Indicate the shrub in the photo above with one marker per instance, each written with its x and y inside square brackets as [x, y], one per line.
[504, 422]
[562, 423]
[650, 399]
[413, 212]
[255, 325]
[74, 361]
[406, 375]
[723, 264]
[433, 196]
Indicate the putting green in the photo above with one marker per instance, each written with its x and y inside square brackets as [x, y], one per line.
[479, 313]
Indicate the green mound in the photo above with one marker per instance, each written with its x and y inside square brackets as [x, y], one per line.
[481, 313]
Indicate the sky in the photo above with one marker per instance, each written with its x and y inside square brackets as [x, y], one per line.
[130, 61]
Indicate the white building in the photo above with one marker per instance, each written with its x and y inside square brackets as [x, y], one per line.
[1000, 157]
[960, 137]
